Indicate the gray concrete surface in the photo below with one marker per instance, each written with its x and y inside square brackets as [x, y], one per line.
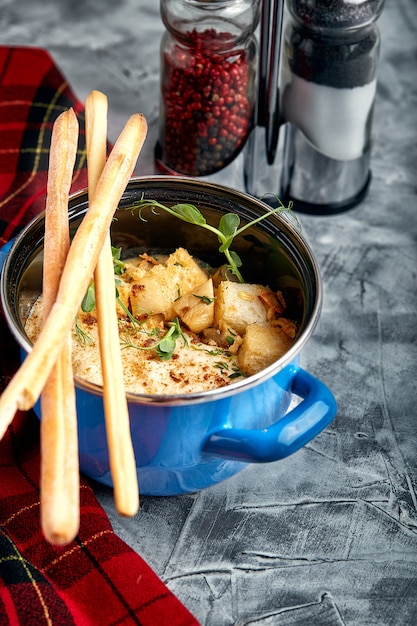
[328, 536]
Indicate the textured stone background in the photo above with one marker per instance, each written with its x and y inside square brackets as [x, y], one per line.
[328, 536]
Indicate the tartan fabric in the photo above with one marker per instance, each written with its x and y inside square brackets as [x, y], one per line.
[97, 579]
[32, 95]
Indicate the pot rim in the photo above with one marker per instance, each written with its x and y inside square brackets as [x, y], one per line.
[195, 397]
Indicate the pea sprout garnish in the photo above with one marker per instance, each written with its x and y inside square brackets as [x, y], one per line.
[165, 346]
[89, 301]
[119, 266]
[228, 228]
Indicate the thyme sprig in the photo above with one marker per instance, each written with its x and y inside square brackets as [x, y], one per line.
[223, 366]
[136, 325]
[83, 337]
[228, 227]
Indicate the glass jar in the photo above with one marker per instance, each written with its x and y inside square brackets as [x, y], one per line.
[329, 63]
[208, 87]
[326, 92]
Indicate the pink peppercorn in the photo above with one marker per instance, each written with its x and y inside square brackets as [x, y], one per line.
[207, 99]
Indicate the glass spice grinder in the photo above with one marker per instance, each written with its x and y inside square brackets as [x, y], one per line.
[317, 89]
[208, 84]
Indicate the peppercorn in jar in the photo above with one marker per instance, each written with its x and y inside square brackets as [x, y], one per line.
[208, 90]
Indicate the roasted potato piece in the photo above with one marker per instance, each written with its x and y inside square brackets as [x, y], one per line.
[135, 272]
[163, 283]
[196, 308]
[261, 346]
[237, 305]
[152, 293]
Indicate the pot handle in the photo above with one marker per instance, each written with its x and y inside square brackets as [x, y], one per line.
[287, 435]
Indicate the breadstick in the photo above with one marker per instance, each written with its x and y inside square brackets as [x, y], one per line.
[60, 507]
[122, 459]
[25, 387]
[59, 443]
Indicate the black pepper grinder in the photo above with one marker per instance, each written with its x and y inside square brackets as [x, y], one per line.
[327, 87]
[208, 83]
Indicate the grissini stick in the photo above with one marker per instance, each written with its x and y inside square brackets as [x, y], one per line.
[60, 484]
[59, 496]
[121, 455]
[25, 387]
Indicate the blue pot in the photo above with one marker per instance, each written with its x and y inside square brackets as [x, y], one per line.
[189, 442]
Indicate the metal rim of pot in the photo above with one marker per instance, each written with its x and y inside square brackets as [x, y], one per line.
[24, 249]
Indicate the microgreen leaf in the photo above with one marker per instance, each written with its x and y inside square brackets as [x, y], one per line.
[89, 301]
[229, 224]
[189, 213]
[234, 263]
[119, 266]
[166, 346]
[236, 259]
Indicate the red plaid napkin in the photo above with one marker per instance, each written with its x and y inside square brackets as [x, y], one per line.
[97, 579]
